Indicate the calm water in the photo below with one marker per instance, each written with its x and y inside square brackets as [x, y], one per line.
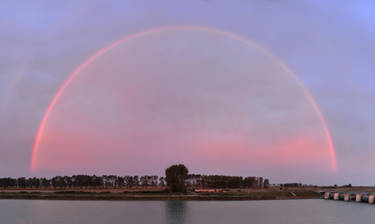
[155, 212]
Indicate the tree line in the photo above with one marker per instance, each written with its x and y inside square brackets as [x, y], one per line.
[177, 179]
[105, 181]
[112, 181]
[221, 181]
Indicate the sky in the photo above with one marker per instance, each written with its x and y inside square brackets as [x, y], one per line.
[191, 96]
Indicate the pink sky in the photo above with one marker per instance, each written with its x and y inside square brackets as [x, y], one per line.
[201, 99]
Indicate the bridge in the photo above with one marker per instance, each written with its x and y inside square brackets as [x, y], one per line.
[349, 196]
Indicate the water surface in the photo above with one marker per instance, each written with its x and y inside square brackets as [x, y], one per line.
[185, 212]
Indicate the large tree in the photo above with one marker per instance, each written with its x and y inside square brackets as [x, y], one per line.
[176, 176]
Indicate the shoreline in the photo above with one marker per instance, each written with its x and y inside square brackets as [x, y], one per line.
[157, 196]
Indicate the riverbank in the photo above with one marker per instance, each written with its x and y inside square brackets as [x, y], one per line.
[157, 195]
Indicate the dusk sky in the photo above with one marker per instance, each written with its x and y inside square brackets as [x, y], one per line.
[204, 83]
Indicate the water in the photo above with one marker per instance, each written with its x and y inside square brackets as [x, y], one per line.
[185, 212]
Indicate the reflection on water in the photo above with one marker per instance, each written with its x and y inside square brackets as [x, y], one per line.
[175, 212]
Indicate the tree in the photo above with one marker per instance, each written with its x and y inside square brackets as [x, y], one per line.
[162, 181]
[176, 176]
[144, 181]
[45, 183]
[249, 182]
[21, 182]
[266, 183]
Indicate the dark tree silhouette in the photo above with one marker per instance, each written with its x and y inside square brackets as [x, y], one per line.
[266, 183]
[175, 177]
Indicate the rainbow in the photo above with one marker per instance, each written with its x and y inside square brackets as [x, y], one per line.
[179, 28]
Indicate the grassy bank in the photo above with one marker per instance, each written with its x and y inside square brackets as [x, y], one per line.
[157, 195]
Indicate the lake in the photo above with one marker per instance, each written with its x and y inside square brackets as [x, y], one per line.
[185, 212]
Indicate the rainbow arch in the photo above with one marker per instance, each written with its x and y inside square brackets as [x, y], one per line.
[247, 42]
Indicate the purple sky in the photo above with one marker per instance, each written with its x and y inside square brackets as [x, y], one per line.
[193, 97]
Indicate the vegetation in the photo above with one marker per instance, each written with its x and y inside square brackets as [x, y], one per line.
[83, 181]
[175, 177]
[291, 185]
[220, 181]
